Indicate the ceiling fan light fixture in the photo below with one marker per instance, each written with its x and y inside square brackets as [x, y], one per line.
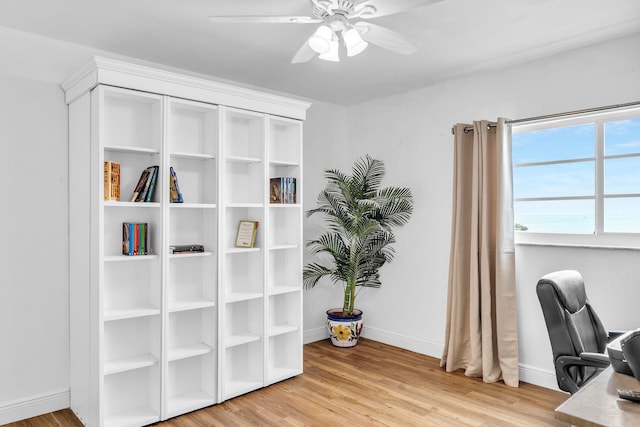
[354, 42]
[332, 55]
[320, 41]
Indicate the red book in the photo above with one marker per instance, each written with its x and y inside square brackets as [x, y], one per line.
[136, 239]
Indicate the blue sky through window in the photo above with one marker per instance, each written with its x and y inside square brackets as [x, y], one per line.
[577, 179]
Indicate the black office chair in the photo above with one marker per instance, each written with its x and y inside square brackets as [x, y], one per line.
[578, 339]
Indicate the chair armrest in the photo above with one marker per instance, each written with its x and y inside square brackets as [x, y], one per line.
[597, 360]
[615, 334]
[564, 363]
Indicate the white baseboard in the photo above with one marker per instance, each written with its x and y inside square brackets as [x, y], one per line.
[33, 406]
[537, 376]
[403, 341]
[317, 334]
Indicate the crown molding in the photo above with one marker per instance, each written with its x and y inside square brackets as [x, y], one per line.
[117, 73]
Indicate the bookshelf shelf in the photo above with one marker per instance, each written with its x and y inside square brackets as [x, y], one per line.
[281, 329]
[242, 296]
[282, 247]
[195, 156]
[188, 402]
[285, 205]
[240, 339]
[185, 305]
[134, 150]
[283, 289]
[127, 258]
[155, 336]
[130, 313]
[283, 162]
[122, 204]
[242, 250]
[140, 416]
[238, 159]
[188, 351]
[244, 205]
[129, 364]
[191, 255]
[193, 206]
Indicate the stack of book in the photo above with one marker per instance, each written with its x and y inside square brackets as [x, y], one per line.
[112, 181]
[135, 238]
[282, 190]
[146, 185]
[186, 249]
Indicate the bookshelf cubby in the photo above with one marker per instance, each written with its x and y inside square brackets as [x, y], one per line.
[158, 335]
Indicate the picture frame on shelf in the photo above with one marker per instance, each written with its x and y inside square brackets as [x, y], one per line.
[246, 236]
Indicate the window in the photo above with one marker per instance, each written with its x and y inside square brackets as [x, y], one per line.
[577, 179]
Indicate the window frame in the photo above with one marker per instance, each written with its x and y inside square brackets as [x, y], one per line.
[599, 238]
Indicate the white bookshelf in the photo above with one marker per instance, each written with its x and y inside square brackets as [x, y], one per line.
[158, 335]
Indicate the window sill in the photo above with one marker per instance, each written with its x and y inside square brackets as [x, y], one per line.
[580, 246]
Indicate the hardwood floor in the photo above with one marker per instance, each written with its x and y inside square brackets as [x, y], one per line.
[372, 384]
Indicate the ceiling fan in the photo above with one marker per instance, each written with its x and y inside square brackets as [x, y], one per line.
[335, 19]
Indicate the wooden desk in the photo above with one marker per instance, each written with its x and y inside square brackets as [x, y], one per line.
[597, 403]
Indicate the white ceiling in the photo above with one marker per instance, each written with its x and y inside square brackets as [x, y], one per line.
[455, 36]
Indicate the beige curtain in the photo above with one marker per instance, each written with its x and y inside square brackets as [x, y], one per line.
[481, 332]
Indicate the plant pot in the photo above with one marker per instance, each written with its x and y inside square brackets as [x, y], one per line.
[344, 330]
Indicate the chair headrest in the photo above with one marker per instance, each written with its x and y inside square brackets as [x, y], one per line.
[569, 287]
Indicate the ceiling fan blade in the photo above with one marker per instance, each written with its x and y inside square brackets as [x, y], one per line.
[265, 19]
[390, 7]
[386, 38]
[304, 54]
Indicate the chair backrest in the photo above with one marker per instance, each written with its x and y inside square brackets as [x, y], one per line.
[573, 325]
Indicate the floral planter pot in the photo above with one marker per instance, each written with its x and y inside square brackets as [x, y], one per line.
[344, 331]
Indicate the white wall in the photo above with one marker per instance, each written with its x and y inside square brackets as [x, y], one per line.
[412, 134]
[34, 271]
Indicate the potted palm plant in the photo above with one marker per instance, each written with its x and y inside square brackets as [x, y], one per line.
[361, 217]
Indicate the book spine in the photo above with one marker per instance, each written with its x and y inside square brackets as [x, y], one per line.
[125, 238]
[131, 239]
[111, 181]
[136, 239]
[141, 182]
[288, 192]
[294, 195]
[174, 191]
[143, 231]
[107, 181]
[152, 185]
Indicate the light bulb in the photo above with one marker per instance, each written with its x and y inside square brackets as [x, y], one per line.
[353, 41]
[332, 54]
[320, 41]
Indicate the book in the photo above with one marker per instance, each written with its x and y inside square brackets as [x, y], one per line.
[112, 181]
[152, 185]
[136, 239]
[145, 189]
[275, 190]
[140, 186]
[282, 190]
[185, 249]
[246, 236]
[127, 236]
[175, 196]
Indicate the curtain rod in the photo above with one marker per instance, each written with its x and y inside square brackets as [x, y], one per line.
[553, 116]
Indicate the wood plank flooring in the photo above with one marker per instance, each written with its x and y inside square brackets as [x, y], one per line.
[372, 384]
